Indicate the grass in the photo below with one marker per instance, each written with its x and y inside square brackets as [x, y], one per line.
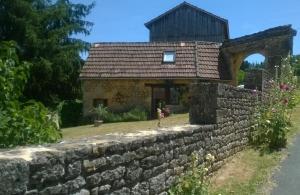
[249, 172]
[122, 127]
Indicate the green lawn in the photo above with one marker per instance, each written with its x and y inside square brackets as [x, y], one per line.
[249, 172]
[123, 127]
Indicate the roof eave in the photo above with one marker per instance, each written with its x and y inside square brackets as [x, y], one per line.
[150, 78]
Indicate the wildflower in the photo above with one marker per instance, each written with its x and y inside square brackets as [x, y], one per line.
[287, 88]
[284, 87]
[210, 157]
[268, 121]
[205, 169]
[254, 92]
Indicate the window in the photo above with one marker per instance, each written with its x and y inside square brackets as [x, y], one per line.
[169, 57]
[97, 102]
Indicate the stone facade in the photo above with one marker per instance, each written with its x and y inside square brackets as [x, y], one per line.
[121, 94]
[134, 163]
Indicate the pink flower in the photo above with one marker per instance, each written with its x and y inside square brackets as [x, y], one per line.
[284, 86]
[162, 115]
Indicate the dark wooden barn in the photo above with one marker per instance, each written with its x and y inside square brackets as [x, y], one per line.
[187, 22]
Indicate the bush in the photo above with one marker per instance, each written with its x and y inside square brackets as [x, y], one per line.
[135, 114]
[20, 124]
[273, 118]
[241, 77]
[194, 181]
[31, 124]
[71, 113]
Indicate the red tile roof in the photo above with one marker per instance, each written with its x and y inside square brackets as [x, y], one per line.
[144, 60]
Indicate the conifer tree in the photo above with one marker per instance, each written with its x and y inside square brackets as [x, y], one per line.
[45, 32]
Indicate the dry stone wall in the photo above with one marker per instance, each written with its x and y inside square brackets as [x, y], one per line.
[142, 163]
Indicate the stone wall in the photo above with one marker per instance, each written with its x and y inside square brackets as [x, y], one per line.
[120, 93]
[147, 162]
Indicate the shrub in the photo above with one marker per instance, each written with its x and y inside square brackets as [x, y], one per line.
[20, 124]
[71, 113]
[241, 77]
[273, 118]
[100, 111]
[194, 181]
[135, 114]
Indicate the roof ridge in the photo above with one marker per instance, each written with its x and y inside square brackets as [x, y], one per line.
[140, 43]
[156, 43]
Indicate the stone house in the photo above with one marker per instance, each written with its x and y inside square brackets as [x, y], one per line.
[187, 44]
[122, 75]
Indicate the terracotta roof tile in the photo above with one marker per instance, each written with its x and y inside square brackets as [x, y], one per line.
[144, 60]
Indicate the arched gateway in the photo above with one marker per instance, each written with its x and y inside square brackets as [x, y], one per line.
[275, 44]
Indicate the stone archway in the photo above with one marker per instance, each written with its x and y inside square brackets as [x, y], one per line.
[275, 44]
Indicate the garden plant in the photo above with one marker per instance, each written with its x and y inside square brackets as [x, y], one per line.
[273, 113]
[195, 180]
[21, 122]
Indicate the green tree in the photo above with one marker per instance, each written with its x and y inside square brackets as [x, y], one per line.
[251, 65]
[21, 123]
[44, 31]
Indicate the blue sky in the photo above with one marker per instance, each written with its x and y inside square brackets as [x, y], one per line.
[123, 20]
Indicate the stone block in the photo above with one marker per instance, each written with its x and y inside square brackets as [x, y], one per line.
[94, 180]
[123, 191]
[73, 170]
[14, 176]
[111, 175]
[115, 160]
[94, 165]
[141, 189]
[55, 190]
[104, 189]
[157, 184]
[75, 185]
[82, 192]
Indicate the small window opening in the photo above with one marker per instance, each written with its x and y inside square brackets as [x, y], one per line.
[97, 102]
[169, 57]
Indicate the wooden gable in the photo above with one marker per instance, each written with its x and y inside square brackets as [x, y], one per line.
[186, 22]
